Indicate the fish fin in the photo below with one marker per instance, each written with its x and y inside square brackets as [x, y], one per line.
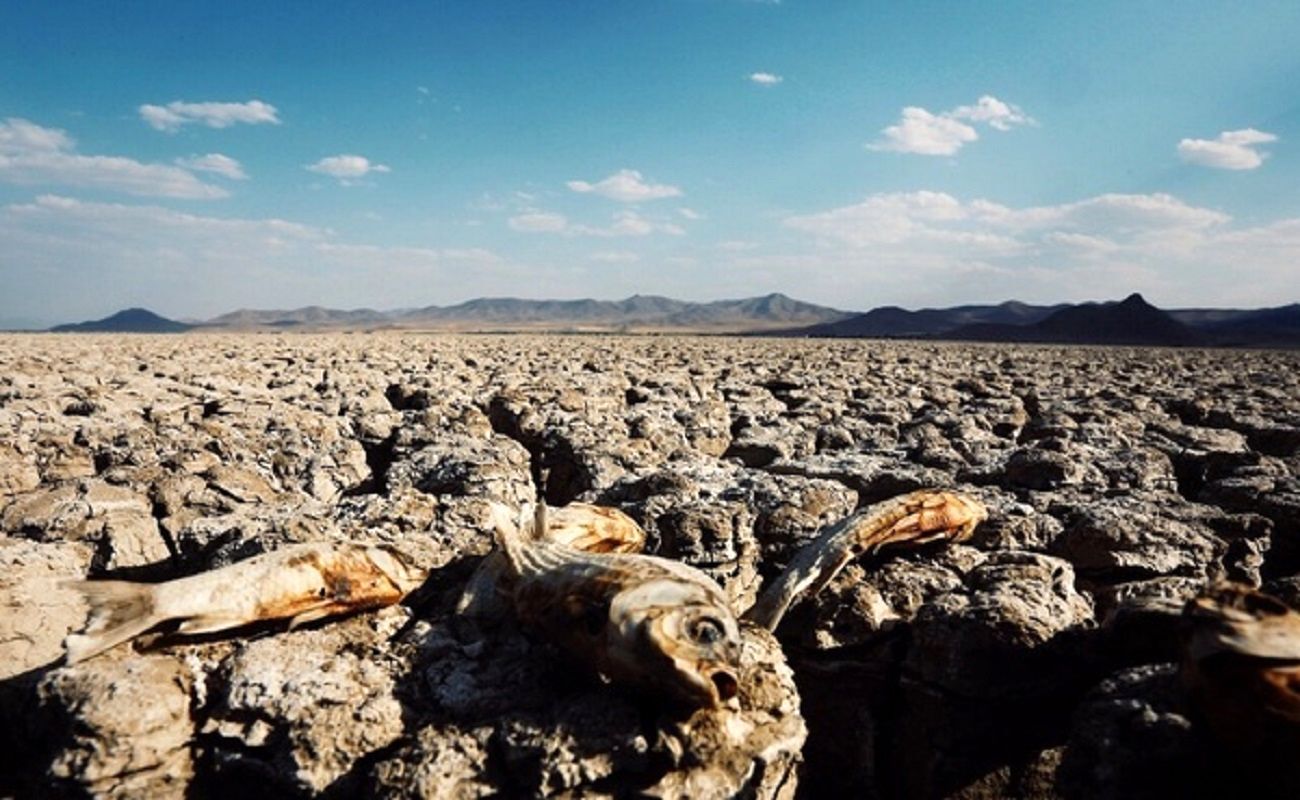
[537, 529]
[198, 625]
[505, 530]
[481, 597]
[311, 615]
[119, 612]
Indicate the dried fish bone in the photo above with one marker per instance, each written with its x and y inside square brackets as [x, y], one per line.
[582, 526]
[637, 619]
[302, 583]
[1241, 668]
[922, 516]
[594, 529]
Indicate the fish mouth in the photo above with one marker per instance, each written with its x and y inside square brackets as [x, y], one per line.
[725, 684]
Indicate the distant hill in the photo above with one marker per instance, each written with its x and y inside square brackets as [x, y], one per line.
[1276, 327]
[892, 321]
[309, 315]
[131, 320]
[1131, 321]
[507, 313]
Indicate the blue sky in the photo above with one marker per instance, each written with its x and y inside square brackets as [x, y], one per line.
[199, 157]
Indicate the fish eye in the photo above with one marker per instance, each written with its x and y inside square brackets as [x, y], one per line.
[706, 630]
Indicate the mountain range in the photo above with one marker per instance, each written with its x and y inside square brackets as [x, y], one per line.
[1132, 321]
[635, 313]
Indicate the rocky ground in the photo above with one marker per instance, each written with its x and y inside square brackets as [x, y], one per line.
[1037, 660]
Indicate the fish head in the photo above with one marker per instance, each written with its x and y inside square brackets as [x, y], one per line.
[677, 637]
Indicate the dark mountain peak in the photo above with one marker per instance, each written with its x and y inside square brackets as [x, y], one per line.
[1135, 300]
[128, 320]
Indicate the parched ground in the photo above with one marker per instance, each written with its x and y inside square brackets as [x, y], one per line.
[1037, 660]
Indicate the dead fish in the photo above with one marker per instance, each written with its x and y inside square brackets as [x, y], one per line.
[301, 583]
[1241, 670]
[926, 515]
[638, 620]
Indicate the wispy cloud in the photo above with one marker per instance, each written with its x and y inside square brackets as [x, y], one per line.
[539, 222]
[614, 257]
[203, 265]
[34, 155]
[1157, 243]
[171, 117]
[765, 78]
[624, 223]
[924, 133]
[217, 164]
[347, 168]
[626, 186]
[1229, 150]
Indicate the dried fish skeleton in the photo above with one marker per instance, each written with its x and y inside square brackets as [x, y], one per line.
[301, 583]
[574, 573]
[651, 621]
[637, 619]
[916, 518]
[1241, 669]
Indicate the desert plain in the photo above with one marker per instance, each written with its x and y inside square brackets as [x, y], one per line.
[1038, 659]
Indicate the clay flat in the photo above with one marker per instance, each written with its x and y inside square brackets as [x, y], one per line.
[1120, 482]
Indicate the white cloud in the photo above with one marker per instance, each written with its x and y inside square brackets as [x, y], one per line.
[20, 136]
[997, 114]
[932, 244]
[204, 265]
[539, 222]
[1230, 150]
[217, 164]
[347, 168]
[33, 155]
[624, 223]
[614, 257]
[690, 213]
[171, 117]
[765, 78]
[626, 186]
[924, 133]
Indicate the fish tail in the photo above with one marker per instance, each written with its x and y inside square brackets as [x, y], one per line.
[119, 612]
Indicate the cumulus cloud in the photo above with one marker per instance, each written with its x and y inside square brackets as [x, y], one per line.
[933, 243]
[999, 115]
[217, 164]
[626, 186]
[1229, 150]
[625, 223]
[347, 168]
[34, 155]
[171, 117]
[204, 265]
[765, 78]
[924, 133]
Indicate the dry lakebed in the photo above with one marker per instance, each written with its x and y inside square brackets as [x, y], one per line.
[1040, 658]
